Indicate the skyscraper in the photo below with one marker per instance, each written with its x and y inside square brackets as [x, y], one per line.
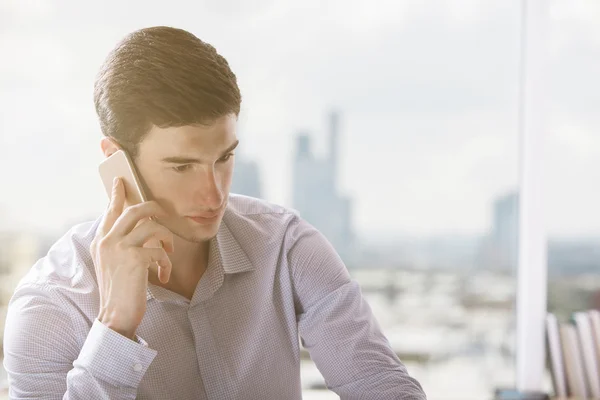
[499, 248]
[246, 177]
[506, 229]
[315, 191]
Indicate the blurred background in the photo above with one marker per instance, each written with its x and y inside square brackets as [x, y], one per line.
[392, 126]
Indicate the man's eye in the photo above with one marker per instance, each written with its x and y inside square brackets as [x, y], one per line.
[226, 157]
[182, 168]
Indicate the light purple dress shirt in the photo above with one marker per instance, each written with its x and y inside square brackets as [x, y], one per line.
[271, 279]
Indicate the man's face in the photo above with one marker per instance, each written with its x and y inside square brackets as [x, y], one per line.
[188, 171]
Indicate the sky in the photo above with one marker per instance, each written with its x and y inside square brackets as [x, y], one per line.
[428, 95]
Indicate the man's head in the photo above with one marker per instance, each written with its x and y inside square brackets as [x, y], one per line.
[172, 102]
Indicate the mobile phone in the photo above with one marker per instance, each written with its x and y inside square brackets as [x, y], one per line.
[119, 164]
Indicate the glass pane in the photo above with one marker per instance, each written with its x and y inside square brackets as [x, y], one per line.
[392, 126]
[573, 159]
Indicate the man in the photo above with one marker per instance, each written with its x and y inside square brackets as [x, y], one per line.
[217, 312]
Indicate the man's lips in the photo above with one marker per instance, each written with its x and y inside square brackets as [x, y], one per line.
[205, 218]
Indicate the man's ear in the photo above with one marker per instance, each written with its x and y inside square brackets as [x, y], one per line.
[109, 146]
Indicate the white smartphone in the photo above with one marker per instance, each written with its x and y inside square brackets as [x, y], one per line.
[119, 164]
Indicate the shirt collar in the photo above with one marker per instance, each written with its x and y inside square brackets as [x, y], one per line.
[229, 254]
[226, 257]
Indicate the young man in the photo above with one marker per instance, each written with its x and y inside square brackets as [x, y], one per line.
[218, 311]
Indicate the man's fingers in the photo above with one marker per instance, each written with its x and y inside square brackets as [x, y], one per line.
[115, 206]
[164, 271]
[128, 220]
[160, 257]
[148, 230]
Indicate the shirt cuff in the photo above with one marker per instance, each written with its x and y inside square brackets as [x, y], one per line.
[113, 358]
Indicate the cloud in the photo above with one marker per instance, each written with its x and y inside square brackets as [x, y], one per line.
[429, 89]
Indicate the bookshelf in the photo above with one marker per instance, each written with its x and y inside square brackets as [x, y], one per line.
[574, 355]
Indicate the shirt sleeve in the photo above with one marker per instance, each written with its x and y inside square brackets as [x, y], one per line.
[43, 360]
[337, 326]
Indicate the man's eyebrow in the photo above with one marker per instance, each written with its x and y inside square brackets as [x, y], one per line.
[230, 148]
[191, 160]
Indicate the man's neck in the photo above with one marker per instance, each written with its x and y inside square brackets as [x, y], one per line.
[189, 255]
[189, 261]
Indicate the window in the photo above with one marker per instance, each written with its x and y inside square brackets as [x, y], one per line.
[573, 158]
[391, 126]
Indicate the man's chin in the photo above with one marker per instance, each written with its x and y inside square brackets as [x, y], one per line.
[203, 232]
[191, 231]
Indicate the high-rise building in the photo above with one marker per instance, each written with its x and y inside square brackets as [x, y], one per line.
[500, 248]
[246, 177]
[506, 229]
[315, 191]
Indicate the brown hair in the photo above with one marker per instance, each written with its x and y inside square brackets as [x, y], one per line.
[162, 76]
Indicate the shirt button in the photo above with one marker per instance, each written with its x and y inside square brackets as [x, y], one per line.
[137, 367]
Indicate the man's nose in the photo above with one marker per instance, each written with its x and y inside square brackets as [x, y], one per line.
[208, 191]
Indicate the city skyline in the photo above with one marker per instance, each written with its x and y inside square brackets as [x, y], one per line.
[427, 148]
[315, 189]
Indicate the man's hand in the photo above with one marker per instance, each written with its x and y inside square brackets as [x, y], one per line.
[122, 262]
